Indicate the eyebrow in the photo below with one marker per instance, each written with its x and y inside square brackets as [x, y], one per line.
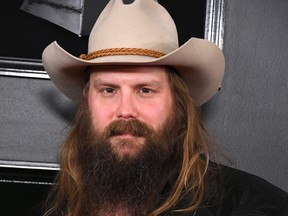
[149, 83]
[98, 82]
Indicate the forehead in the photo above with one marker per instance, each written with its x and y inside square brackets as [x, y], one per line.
[128, 72]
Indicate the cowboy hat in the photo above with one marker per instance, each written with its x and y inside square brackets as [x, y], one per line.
[140, 33]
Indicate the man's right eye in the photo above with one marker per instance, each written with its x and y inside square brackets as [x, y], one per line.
[108, 90]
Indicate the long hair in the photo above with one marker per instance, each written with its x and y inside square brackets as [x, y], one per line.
[66, 198]
[196, 148]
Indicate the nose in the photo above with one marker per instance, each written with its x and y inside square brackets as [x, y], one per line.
[126, 107]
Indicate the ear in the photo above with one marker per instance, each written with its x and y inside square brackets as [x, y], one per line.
[86, 83]
[85, 89]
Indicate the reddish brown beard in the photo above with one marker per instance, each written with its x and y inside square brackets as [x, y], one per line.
[135, 183]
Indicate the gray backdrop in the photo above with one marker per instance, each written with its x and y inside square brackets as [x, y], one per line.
[249, 116]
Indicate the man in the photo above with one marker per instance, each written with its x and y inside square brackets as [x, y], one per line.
[138, 146]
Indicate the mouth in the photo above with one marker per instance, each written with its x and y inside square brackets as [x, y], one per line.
[126, 144]
[125, 134]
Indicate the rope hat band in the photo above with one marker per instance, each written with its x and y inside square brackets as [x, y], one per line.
[141, 33]
[122, 51]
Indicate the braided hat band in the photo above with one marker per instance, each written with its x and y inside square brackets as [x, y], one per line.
[140, 41]
[122, 51]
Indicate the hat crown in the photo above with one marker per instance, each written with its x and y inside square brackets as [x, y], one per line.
[141, 33]
[141, 24]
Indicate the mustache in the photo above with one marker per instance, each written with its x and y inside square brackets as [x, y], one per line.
[134, 127]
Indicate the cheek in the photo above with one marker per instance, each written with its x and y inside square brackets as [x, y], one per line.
[158, 113]
[101, 115]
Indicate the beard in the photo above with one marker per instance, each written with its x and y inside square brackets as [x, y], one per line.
[134, 182]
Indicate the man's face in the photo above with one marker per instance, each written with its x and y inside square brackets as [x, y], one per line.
[127, 93]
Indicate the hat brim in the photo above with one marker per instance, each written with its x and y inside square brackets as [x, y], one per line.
[199, 62]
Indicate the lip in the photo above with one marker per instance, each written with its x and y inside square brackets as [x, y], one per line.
[127, 135]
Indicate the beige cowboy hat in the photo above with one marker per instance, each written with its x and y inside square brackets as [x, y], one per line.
[140, 33]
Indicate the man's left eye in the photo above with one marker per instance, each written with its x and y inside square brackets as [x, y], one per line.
[145, 90]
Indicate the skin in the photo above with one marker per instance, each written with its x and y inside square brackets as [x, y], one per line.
[125, 93]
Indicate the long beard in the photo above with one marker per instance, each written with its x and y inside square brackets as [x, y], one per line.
[133, 182]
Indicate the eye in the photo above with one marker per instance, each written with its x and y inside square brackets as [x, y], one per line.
[145, 90]
[108, 90]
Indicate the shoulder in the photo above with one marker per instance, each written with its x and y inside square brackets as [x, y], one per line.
[241, 181]
[241, 193]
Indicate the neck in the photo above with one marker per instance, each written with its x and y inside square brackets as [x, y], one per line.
[116, 210]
